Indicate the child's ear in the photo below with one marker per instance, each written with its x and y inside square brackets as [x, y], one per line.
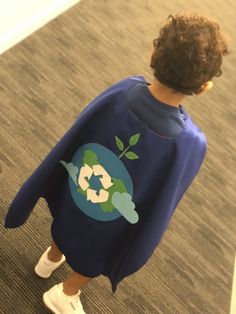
[205, 87]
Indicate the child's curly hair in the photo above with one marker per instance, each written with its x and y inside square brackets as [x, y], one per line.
[189, 52]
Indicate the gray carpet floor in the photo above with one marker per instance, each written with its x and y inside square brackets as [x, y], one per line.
[45, 81]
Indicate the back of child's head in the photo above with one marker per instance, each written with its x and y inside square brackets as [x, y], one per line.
[188, 52]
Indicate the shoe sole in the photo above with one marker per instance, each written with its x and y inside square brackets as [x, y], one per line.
[49, 305]
[40, 275]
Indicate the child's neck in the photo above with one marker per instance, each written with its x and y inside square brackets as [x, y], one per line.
[165, 94]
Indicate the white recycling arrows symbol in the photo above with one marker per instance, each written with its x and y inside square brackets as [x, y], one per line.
[86, 172]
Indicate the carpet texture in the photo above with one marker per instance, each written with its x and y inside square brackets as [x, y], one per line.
[45, 81]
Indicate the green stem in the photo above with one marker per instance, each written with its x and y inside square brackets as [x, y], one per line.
[122, 154]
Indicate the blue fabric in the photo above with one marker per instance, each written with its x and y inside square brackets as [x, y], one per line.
[165, 120]
[161, 170]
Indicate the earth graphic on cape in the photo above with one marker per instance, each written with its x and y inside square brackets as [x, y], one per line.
[100, 184]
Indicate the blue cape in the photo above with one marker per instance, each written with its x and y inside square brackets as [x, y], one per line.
[112, 185]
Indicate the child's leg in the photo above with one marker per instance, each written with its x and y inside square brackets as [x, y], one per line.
[74, 283]
[54, 253]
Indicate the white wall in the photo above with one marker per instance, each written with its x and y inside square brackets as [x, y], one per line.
[233, 300]
[20, 18]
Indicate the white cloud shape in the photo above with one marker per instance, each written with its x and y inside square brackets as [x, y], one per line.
[124, 204]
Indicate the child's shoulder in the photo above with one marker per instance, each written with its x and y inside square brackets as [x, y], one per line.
[117, 89]
[131, 80]
[193, 130]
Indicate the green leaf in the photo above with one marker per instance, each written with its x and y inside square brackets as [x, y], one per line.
[134, 139]
[131, 155]
[119, 143]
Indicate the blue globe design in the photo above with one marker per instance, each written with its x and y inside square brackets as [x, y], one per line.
[113, 166]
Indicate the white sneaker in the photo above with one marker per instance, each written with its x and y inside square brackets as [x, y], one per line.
[45, 267]
[60, 303]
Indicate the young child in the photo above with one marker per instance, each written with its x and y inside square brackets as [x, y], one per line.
[114, 180]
